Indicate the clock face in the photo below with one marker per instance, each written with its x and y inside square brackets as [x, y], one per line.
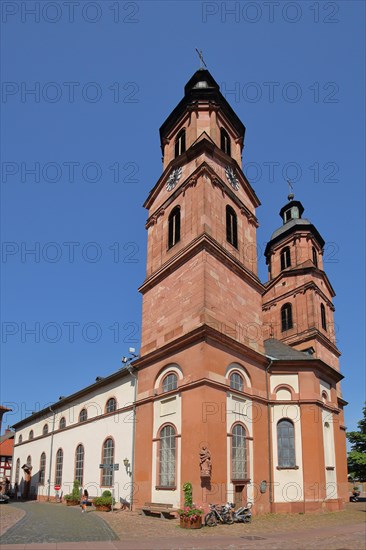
[173, 178]
[231, 177]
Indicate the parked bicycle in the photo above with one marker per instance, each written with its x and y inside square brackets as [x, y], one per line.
[218, 514]
[242, 514]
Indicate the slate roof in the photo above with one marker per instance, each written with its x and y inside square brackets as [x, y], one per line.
[281, 352]
[292, 223]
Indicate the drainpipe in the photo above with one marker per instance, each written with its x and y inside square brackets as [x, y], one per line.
[50, 469]
[130, 370]
[270, 449]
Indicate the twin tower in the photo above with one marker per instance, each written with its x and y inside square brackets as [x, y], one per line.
[238, 381]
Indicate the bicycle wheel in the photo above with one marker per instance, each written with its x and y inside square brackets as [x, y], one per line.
[210, 520]
[228, 519]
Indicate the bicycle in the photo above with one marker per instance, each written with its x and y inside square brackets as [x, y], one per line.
[217, 514]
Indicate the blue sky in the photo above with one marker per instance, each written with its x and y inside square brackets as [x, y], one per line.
[80, 154]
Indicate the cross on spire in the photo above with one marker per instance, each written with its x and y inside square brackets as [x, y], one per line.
[202, 61]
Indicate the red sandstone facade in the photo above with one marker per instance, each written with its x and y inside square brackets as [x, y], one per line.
[246, 370]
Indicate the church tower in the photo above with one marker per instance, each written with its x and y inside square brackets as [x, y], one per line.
[297, 303]
[236, 380]
[202, 344]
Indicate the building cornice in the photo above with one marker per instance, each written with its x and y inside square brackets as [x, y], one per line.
[294, 272]
[200, 243]
[311, 334]
[202, 146]
[280, 366]
[311, 285]
[203, 333]
[293, 232]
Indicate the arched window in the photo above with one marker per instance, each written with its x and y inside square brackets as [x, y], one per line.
[45, 429]
[239, 453]
[286, 444]
[20, 439]
[111, 405]
[283, 394]
[324, 396]
[285, 258]
[174, 227]
[170, 382]
[42, 469]
[17, 471]
[315, 257]
[59, 465]
[286, 317]
[79, 463]
[231, 226]
[167, 448]
[225, 142]
[180, 143]
[236, 381]
[83, 416]
[29, 460]
[323, 316]
[62, 424]
[31, 434]
[107, 458]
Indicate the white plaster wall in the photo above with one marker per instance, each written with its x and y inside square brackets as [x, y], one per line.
[167, 409]
[288, 484]
[289, 379]
[119, 426]
[94, 402]
[241, 410]
[329, 456]
[324, 386]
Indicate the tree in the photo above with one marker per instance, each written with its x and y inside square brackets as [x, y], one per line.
[357, 455]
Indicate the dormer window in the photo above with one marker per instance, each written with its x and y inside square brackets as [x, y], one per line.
[180, 143]
[225, 142]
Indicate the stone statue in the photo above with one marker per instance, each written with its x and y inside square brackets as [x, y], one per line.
[205, 462]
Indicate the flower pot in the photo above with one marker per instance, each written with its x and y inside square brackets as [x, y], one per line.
[187, 523]
[104, 508]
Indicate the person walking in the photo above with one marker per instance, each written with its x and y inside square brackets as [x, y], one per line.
[84, 500]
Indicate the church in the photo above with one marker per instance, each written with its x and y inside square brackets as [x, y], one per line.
[236, 387]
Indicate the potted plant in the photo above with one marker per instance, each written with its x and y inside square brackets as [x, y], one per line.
[73, 498]
[190, 515]
[104, 503]
[356, 491]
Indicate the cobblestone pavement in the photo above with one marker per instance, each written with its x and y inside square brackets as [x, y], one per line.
[53, 523]
[8, 517]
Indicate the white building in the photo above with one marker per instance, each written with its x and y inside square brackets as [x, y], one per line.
[71, 439]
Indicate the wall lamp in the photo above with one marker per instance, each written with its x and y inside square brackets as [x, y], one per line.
[127, 465]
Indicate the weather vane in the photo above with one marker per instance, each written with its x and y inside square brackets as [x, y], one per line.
[290, 190]
[202, 61]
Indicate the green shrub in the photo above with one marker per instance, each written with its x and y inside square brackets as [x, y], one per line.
[75, 493]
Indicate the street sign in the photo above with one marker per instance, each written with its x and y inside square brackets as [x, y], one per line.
[109, 466]
[57, 487]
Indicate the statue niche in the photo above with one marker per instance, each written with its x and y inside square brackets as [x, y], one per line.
[205, 462]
